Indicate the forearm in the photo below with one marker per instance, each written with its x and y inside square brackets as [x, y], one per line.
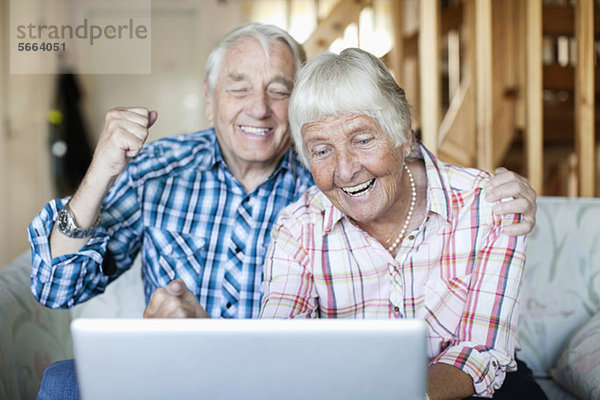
[447, 382]
[85, 207]
[483, 343]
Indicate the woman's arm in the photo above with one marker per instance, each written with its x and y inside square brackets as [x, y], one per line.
[483, 343]
[289, 290]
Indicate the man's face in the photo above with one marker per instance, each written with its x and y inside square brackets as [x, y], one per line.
[250, 103]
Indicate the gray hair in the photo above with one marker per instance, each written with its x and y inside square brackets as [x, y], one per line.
[353, 82]
[265, 34]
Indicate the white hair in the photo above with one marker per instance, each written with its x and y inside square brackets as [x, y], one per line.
[265, 34]
[353, 82]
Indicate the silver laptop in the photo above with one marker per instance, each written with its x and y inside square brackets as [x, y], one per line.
[250, 359]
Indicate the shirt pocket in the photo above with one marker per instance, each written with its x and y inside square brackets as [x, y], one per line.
[445, 302]
[180, 255]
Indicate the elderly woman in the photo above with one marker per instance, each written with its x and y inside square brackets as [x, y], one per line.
[390, 231]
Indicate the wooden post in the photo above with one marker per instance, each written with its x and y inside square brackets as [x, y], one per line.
[584, 96]
[454, 60]
[483, 79]
[429, 72]
[520, 32]
[534, 144]
[397, 59]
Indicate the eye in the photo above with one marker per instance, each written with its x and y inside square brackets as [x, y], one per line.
[238, 91]
[278, 91]
[278, 94]
[319, 152]
[364, 141]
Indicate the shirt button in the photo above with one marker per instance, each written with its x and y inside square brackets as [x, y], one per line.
[411, 237]
[228, 305]
[397, 309]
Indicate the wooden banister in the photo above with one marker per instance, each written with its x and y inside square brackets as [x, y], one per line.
[584, 96]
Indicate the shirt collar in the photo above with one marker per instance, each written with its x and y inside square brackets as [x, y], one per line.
[331, 215]
[213, 152]
[437, 193]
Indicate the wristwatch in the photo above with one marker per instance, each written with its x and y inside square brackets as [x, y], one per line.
[68, 227]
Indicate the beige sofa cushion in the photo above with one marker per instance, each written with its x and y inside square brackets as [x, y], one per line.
[578, 368]
[561, 288]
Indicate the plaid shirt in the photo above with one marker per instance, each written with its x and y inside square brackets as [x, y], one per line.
[457, 271]
[179, 203]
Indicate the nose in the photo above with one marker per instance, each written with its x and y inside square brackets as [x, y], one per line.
[348, 165]
[258, 106]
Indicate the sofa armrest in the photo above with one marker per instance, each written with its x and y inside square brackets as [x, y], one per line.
[31, 335]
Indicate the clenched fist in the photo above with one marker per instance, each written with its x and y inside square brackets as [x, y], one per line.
[124, 133]
[174, 301]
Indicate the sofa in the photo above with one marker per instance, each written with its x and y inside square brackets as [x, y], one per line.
[559, 327]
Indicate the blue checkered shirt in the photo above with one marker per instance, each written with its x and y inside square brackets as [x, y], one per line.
[177, 202]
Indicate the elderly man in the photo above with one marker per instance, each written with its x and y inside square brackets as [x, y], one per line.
[200, 206]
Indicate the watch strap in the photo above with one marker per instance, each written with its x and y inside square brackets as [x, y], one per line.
[68, 226]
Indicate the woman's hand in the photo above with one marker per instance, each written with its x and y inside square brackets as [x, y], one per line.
[521, 200]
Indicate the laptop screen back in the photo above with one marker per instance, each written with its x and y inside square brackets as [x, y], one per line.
[250, 359]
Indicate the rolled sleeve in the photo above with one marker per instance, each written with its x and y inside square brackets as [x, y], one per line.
[486, 368]
[64, 281]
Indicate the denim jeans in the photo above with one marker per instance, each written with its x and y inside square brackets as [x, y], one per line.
[59, 382]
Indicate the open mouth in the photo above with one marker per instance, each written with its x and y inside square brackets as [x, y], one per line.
[253, 130]
[359, 190]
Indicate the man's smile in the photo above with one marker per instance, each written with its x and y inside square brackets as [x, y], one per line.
[253, 130]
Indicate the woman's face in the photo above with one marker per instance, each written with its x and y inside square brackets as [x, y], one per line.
[355, 164]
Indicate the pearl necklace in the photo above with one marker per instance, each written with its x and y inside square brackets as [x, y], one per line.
[413, 200]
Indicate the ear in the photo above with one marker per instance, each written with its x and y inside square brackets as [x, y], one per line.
[208, 104]
[407, 147]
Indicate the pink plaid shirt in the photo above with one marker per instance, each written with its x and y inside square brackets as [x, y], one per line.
[457, 272]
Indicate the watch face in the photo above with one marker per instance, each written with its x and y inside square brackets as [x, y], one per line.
[63, 222]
